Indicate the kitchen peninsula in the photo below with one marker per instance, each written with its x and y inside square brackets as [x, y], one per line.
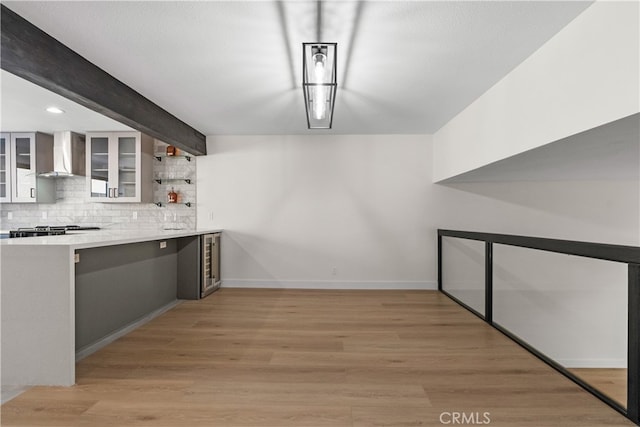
[40, 280]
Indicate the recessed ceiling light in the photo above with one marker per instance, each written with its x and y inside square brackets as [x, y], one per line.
[55, 110]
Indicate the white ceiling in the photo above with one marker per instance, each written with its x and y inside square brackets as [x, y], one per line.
[23, 109]
[234, 67]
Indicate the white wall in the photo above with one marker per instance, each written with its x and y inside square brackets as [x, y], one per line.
[583, 77]
[296, 207]
[588, 210]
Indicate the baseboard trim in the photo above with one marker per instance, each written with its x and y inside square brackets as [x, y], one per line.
[328, 284]
[92, 348]
[11, 392]
[593, 363]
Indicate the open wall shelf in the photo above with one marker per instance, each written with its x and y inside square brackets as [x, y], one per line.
[161, 180]
[160, 156]
[161, 204]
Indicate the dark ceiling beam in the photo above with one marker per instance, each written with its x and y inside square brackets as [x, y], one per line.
[34, 55]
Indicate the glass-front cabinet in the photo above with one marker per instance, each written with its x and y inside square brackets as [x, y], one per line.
[5, 172]
[24, 178]
[128, 168]
[23, 156]
[120, 167]
[99, 165]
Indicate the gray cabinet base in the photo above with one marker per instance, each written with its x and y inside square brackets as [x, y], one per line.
[119, 285]
[189, 267]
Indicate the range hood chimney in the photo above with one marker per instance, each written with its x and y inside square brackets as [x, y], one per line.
[68, 155]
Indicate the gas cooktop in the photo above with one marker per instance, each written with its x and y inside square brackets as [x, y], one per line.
[48, 230]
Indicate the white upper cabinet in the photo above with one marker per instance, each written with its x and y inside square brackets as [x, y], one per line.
[23, 147]
[22, 157]
[5, 173]
[119, 166]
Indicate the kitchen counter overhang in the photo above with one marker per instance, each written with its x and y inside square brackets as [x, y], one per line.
[37, 284]
[98, 238]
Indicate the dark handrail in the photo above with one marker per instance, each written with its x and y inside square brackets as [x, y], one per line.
[617, 253]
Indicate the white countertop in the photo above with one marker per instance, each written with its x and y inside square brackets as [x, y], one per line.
[96, 238]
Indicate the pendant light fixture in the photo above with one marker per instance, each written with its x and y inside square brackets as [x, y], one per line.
[319, 83]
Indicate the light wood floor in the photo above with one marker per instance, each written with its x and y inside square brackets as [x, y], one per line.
[612, 382]
[244, 357]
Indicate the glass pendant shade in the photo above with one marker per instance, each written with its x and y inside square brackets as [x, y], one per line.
[319, 83]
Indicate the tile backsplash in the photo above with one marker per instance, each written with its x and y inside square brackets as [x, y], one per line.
[72, 207]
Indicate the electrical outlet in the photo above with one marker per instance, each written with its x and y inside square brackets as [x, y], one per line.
[334, 271]
[135, 215]
[211, 216]
[9, 215]
[163, 245]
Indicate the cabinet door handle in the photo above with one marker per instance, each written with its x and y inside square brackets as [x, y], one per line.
[33, 193]
[110, 193]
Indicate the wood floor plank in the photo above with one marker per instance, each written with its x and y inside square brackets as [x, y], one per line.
[307, 394]
[211, 413]
[280, 358]
[610, 381]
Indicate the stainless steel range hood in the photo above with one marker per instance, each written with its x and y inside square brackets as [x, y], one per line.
[68, 155]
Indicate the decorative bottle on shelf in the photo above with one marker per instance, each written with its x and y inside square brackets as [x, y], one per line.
[172, 196]
[171, 150]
